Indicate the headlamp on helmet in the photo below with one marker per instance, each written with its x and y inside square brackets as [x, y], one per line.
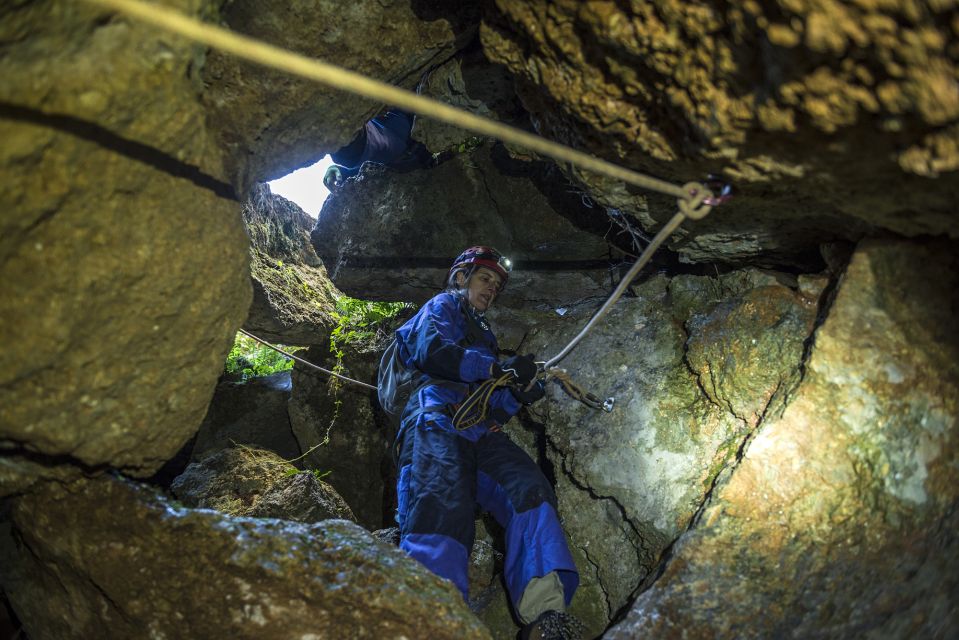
[483, 257]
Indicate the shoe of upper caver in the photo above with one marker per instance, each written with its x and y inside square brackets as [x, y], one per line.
[553, 625]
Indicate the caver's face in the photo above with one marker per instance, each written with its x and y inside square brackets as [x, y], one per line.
[482, 288]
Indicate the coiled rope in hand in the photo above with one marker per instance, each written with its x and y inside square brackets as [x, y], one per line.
[475, 409]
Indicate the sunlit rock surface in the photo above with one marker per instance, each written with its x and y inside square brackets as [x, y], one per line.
[122, 250]
[247, 481]
[840, 519]
[109, 559]
[830, 117]
[292, 294]
[390, 236]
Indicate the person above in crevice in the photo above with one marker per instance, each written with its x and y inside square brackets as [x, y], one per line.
[445, 472]
[384, 139]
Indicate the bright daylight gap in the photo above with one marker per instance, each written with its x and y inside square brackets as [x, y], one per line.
[305, 186]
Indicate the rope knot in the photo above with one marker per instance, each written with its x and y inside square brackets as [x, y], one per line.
[696, 203]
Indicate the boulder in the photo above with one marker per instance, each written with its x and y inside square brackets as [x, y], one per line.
[839, 519]
[630, 482]
[112, 559]
[245, 481]
[830, 118]
[293, 298]
[391, 236]
[122, 250]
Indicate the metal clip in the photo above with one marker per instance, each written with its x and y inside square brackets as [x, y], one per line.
[608, 405]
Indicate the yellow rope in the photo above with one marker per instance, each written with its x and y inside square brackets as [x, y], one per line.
[475, 408]
[333, 76]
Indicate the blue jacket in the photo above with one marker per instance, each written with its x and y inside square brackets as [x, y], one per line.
[452, 359]
[384, 139]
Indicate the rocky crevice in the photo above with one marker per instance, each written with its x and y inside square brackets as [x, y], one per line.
[122, 234]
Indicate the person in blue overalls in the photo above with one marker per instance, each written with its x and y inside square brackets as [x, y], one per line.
[444, 473]
[384, 139]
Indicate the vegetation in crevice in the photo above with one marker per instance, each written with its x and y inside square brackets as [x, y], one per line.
[250, 359]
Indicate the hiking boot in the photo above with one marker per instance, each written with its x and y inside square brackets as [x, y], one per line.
[553, 625]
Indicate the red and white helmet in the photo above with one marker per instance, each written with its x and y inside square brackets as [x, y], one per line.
[483, 257]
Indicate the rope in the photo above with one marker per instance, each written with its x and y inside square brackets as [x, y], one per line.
[307, 362]
[657, 240]
[572, 389]
[476, 407]
[336, 77]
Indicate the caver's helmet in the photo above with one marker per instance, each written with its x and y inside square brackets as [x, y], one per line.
[475, 257]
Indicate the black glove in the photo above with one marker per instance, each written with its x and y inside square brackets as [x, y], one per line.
[531, 395]
[523, 369]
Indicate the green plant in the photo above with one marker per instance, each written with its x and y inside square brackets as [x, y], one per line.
[319, 475]
[469, 145]
[250, 359]
[360, 321]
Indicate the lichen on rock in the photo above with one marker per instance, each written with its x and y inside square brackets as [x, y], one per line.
[293, 298]
[245, 481]
[119, 561]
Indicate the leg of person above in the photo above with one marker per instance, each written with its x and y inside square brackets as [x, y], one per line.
[436, 496]
[540, 574]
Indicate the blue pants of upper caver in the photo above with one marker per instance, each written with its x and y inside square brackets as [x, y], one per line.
[444, 476]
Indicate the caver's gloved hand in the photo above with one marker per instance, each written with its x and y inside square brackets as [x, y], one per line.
[333, 177]
[528, 396]
[522, 367]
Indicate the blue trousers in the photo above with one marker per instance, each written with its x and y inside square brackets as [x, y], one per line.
[443, 477]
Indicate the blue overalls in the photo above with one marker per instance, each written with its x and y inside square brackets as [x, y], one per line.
[384, 139]
[445, 473]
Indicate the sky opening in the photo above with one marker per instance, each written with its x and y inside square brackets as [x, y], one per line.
[305, 187]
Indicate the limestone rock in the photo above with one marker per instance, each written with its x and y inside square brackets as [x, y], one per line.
[629, 482]
[339, 433]
[732, 349]
[270, 123]
[122, 250]
[830, 118]
[468, 82]
[109, 559]
[245, 481]
[839, 521]
[251, 413]
[390, 236]
[292, 295]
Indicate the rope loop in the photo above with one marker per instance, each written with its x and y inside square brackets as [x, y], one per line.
[572, 389]
[695, 205]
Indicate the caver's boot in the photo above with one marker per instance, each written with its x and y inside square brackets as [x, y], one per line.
[553, 625]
